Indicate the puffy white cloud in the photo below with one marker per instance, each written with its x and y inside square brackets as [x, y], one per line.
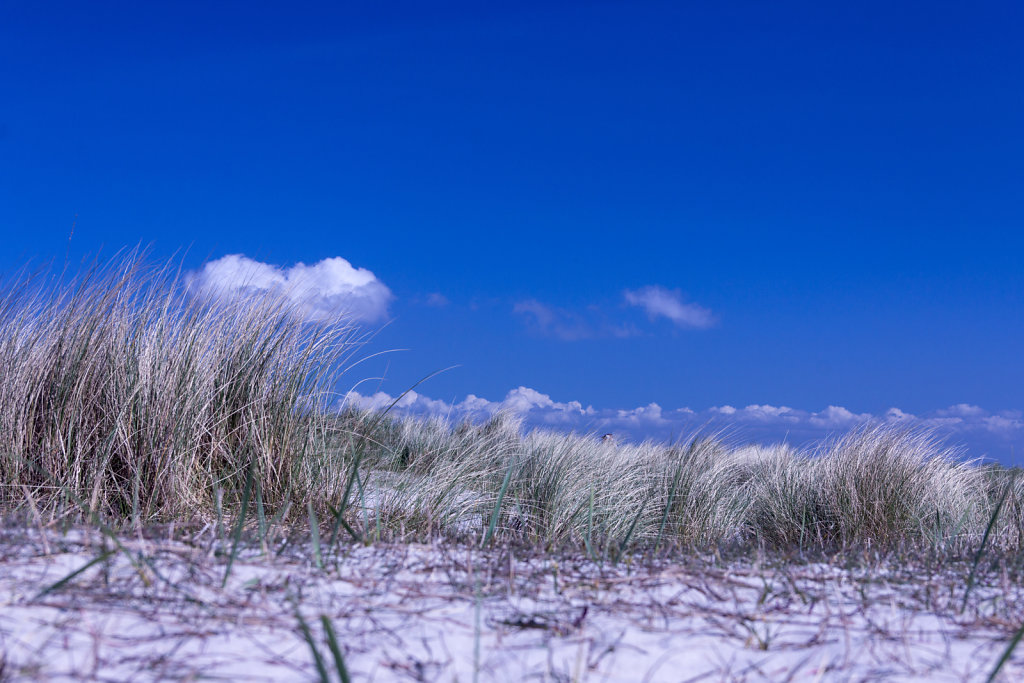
[475, 404]
[767, 413]
[411, 402]
[895, 414]
[648, 414]
[668, 303]
[524, 401]
[377, 401]
[326, 290]
[837, 416]
[521, 401]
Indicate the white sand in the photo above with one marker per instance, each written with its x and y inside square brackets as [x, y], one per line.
[450, 613]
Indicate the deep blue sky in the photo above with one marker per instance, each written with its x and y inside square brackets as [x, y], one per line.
[840, 186]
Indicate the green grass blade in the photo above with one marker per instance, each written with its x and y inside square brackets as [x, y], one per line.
[668, 505]
[497, 505]
[1007, 653]
[314, 531]
[237, 536]
[318, 660]
[332, 643]
[339, 519]
[357, 460]
[261, 516]
[629, 534]
[587, 541]
[63, 582]
[984, 540]
[340, 523]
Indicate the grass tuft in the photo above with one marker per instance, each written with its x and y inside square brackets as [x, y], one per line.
[129, 392]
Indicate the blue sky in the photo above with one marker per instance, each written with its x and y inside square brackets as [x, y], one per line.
[695, 205]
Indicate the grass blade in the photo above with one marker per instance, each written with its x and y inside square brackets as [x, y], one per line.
[237, 536]
[340, 523]
[63, 582]
[358, 459]
[1007, 653]
[261, 518]
[497, 505]
[629, 534]
[332, 643]
[318, 660]
[314, 530]
[984, 540]
[590, 527]
[668, 505]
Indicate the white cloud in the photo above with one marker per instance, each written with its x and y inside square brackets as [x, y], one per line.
[524, 400]
[475, 404]
[984, 433]
[648, 414]
[326, 290]
[668, 303]
[998, 423]
[961, 410]
[768, 412]
[837, 416]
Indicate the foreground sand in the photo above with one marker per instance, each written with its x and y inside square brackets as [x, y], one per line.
[445, 612]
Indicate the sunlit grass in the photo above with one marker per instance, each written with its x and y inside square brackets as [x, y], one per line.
[126, 400]
[142, 402]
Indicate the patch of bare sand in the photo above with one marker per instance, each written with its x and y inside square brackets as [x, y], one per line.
[156, 610]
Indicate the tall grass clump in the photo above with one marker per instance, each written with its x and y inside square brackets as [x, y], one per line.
[129, 395]
[126, 392]
[880, 486]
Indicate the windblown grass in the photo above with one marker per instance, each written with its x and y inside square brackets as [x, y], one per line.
[878, 487]
[125, 396]
[120, 389]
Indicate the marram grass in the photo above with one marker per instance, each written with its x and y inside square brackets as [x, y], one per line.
[878, 487]
[125, 396]
[123, 392]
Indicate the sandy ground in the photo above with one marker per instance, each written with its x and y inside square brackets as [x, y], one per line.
[155, 610]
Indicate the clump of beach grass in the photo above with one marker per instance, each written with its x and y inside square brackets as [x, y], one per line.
[881, 486]
[127, 396]
[124, 392]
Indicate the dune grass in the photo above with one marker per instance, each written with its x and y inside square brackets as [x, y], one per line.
[878, 487]
[122, 390]
[126, 397]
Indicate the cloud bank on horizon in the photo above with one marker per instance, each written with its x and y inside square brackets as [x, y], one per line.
[982, 432]
[329, 289]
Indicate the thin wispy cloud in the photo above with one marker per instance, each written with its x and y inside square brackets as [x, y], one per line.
[598, 321]
[554, 322]
[329, 289]
[659, 302]
[437, 300]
